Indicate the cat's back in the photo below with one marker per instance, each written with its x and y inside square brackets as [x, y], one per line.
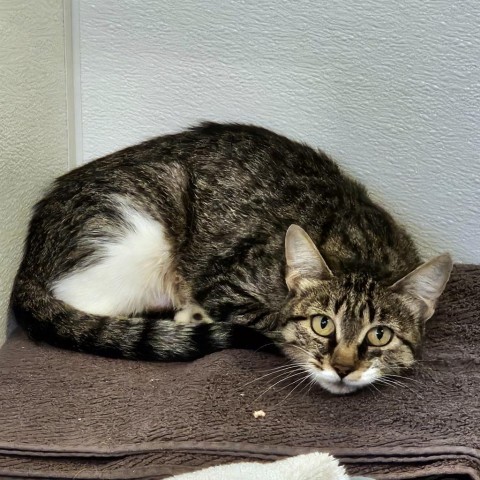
[237, 162]
[222, 148]
[217, 184]
[255, 149]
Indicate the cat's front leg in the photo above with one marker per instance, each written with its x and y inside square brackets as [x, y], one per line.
[192, 314]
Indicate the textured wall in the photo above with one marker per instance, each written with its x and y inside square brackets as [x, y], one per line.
[391, 89]
[33, 122]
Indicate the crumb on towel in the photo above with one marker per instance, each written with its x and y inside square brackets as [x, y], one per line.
[258, 413]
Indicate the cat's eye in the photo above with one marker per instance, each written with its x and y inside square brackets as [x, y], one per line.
[379, 336]
[323, 325]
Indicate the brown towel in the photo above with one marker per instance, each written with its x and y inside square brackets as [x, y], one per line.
[65, 414]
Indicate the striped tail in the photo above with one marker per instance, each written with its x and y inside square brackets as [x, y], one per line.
[144, 338]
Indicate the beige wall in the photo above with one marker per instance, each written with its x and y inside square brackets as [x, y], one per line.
[33, 120]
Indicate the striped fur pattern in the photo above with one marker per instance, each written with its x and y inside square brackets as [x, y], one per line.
[226, 236]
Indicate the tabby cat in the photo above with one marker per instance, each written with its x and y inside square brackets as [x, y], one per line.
[226, 236]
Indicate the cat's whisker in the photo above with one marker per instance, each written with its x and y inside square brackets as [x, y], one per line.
[286, 369]
[396, 383]
[398, 370]
[381, 383]
[275, 368]
[390, 381]
[294, 382]
[408, 379]
[276, 383]
[278, 374]
[403, 385]
[297, 383]
[373, 386]
[309, 385]
[369, 387]
[383, 380]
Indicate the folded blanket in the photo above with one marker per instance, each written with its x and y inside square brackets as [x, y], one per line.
[312, 466]
[65, 414]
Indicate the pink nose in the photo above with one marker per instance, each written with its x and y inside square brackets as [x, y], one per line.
[343, 370]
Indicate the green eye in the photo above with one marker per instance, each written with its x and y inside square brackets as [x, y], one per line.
[323, 325]
[379, 336]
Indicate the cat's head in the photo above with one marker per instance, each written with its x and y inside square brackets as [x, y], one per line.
[348, 331]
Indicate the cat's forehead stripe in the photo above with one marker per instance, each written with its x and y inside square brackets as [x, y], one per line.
[338, 303]
[371, 310]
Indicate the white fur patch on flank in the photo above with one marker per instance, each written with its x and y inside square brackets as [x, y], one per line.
[132, 271]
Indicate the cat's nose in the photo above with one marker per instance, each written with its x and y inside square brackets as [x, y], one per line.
[343, 370]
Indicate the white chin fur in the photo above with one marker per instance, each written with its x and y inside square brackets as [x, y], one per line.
[330, 381]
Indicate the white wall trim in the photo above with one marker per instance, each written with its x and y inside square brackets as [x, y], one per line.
[73, 82]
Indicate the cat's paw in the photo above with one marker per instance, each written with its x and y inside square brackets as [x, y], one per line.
[192, 315]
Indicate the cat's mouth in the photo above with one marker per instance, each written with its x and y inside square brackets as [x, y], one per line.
[331, 381]
[338, 388]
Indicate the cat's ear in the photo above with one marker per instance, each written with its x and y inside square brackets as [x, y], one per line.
[304, 261]
[425, 284]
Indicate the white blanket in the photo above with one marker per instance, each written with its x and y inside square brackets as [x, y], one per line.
[313, 466]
